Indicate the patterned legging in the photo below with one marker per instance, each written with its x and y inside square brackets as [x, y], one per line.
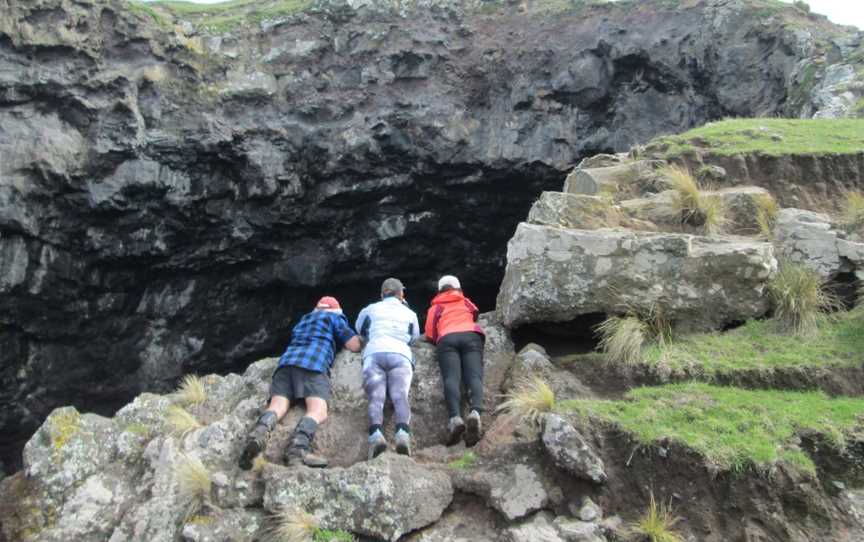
[385, 372]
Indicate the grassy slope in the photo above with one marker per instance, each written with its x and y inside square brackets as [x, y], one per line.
[767, 136]
[225, 16]
[759, 345]
[733, 429]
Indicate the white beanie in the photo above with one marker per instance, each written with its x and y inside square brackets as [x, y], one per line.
[449, 280]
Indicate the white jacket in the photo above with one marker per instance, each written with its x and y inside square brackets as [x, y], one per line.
[388, 326]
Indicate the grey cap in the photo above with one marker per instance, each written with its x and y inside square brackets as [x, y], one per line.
[393, 286]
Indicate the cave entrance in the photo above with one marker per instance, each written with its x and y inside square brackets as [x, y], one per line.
[844, 287]
[576, 336]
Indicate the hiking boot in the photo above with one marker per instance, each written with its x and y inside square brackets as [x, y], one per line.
[403, 442]
[377, 444]
[254, 446]
[472, 432]
[297, 456]
[455, 428]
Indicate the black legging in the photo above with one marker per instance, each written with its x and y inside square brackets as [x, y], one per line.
[460, 357]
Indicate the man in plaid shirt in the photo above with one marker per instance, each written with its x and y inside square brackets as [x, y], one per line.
[304, 375]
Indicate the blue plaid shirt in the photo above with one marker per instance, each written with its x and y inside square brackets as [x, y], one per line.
[315, 340]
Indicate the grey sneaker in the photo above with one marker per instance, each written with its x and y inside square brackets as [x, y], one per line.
[403, 442]
[377, 444]
[472, 432]
[455, 428]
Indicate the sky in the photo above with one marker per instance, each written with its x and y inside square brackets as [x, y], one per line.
[839, 11]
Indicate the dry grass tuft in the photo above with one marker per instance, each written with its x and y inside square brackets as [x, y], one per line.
[690, 205]
[766, 214]
[622, 338]
[657, 523]
[259, 463]
[191, 391]
[529, 399]
[853, 212]
[179, 421]
[292, 525]
[799, 298]
[193, 484]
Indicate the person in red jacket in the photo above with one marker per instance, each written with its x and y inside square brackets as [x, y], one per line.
[451, 324]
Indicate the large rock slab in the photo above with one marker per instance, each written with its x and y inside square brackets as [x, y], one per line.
[813, 240]
[556, 274]
[384, 498]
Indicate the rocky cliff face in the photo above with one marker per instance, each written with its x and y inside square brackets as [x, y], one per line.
[169, 199]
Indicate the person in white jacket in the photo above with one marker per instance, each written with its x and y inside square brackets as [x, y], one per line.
[388, 328]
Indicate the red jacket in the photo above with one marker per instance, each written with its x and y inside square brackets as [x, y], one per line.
[451, 312]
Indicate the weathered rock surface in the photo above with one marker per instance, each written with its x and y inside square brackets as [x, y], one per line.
[384, 498]
[556, 274]
[570, 451]
[514, 490]
[813, 240]
[608, 180]
[573, 211]
[169, 200]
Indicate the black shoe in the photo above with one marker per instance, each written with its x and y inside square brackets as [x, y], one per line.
[254, 446]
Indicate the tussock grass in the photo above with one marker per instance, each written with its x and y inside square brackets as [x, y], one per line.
[853, 211]
[232, 14]
[191, 391]
[530, 398]
[733, 429]
[179, 421]
[657, 523]
[292, 524]
[799, 298]
[766, 214]
[690, 205]
[193, 484]
[622, 338]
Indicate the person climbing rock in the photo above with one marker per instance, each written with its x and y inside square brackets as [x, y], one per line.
[451, 324]
[387, 328]
[303, 375]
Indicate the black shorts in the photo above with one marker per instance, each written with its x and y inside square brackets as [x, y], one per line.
[298, 383]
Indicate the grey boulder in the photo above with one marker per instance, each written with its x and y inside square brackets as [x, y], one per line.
[570, 451]
[384, 498]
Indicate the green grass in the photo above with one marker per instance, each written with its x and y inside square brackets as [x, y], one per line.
[773, 137]
[226, 16]
[329, 535]
[147, 12]
[733, 429]
[761, 345]
[465, 462]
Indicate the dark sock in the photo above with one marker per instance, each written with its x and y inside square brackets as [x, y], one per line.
[375, 427]
[404, 427]
[304, 433]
